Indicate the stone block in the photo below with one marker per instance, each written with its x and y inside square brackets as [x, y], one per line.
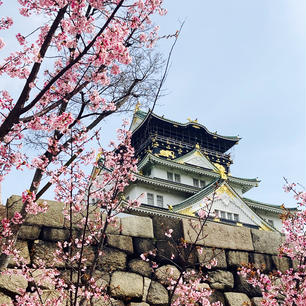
[218, 235]
[53, 217]
[5, 300]
[262, 261]
[22, 247]
[114, 226]
[124, 243]
[217, 296]
[241, 285]
[29, 232]
[221, 280]
[46, 251]
[111, 260]
[126, 285]
[237, 299]
[53, 296]
[166, 273]
[55, 234]
[141, 267]
[136, 226]
[41, 279]
[146, 286]
[237, 258]
[206, 255]
[256, 301]
[162, 224]
[157, 295]
[266, 242]
[12, 280]
[138, 304]
[165, 249]
[101, 301]
[281, 263]
[142, 245]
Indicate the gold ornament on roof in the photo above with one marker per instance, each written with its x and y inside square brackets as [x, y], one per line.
[192, 121]
[221, 170]
[224, 190]
[137, 107]
[167, 153]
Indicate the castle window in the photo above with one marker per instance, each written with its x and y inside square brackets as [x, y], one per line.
[170, 176]
[223, 214]
[195, 182]
[229, 216]
[160, 200]
[150, 198]
[236, 217]
[202, 184]
[177, 178]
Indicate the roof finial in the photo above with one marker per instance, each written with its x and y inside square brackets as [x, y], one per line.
[137, 107]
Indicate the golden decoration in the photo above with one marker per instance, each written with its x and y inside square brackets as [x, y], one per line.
[197, 146]
[167, 153]
[196, 127]
[221, 170]
[187, 212]
[264, 227]
[193, 121]
[137, 107]
[225, 190]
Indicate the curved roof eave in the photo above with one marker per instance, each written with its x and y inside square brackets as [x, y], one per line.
[230, 138]
[172, 163]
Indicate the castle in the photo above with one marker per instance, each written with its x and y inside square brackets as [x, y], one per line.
[181, 165]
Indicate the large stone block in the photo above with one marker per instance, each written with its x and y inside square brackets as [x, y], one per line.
[42, 280]
[281, 263]
[22, 247]
[217, 296]
[46, 251]
[141, 267]
[29, 232]
[241, 285]
[146, 286]
[166, 273]
[218, 235]
[157, 295]
[142, 245]
[221, 280]
[136, 226]
[237, 299]
[53, 217]
[112, 259]
[237, 258]
[124, 243]
[256, 301]
[262, 261]
[162, 224]
[266, 242]
[5, 300]
[12, 280]
[55, 234]
[126, 285]
[206, 255]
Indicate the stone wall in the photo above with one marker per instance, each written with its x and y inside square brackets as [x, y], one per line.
[132, 281]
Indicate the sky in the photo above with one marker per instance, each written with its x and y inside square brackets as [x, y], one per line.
[239, 68]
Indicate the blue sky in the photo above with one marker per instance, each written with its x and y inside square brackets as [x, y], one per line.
[239, 68]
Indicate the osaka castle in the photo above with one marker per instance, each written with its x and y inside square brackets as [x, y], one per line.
[182, 165]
